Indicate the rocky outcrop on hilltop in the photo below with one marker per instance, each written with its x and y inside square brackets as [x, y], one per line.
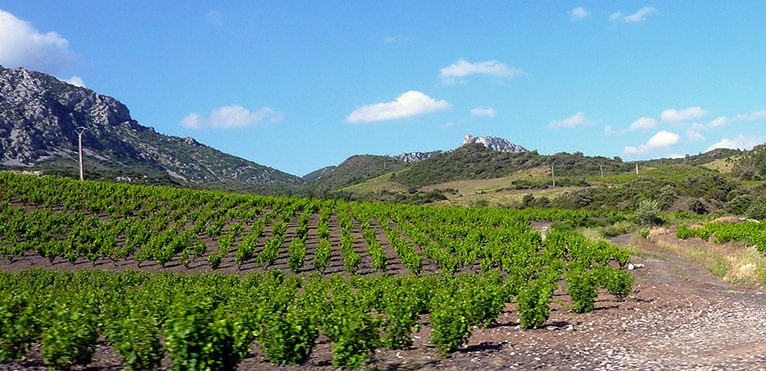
[494, 143]
[410, 157]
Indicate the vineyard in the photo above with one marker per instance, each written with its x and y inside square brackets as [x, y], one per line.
[364, 275]
[750, 231]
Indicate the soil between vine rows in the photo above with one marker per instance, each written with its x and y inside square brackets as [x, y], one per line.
[229, 266]
[678, 317]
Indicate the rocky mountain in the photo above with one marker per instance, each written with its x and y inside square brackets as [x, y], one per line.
[39, 120]
[494, 143]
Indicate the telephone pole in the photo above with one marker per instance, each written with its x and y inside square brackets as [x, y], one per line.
[553, 176]
[79, 132]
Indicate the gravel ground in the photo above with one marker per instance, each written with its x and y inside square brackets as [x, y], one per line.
[679, 317]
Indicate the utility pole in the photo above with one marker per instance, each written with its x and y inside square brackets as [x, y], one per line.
[553, 176]
[79, 132]
[602, 170]
[636, 169]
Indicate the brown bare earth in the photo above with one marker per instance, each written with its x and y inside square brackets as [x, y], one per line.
[679, 317]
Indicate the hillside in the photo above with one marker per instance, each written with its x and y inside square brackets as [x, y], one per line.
[476, 161]
[40, 116]
[474, 175]
[353, 170]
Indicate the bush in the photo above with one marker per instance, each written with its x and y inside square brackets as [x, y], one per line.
[483, 302]
[401, 317]
[697, 206]
[583, 289]
[322, 255]
[534, 303]
[18, 327]
[739, 204]
[647, 212]
[757, 210]
[200, 335]
[617, 281]
[297, 252]
[288, 338]
[645, 232]
[357, 340]
[136, 338]
[214, 259]
[451, 328]
[70, 336]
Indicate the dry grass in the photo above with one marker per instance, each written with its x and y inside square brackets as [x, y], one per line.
[723, 165]
[495, 191]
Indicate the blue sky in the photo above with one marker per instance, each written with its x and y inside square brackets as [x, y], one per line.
[299, 85]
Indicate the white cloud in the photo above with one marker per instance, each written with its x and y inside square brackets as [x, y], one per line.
[481, 111]
[740, 142]
[716, 123]
[463, 68]
[409, 104]
[694, 136]
[641, 123]
[579, 13]
[21, 45]
[232, 117]
[76, 81]
[577, 120]
[639, 16]
[397, 39]
[691, 113]
[662, 139]
[214, 18]
[630, 150]
[755, 116]
[616, 15]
